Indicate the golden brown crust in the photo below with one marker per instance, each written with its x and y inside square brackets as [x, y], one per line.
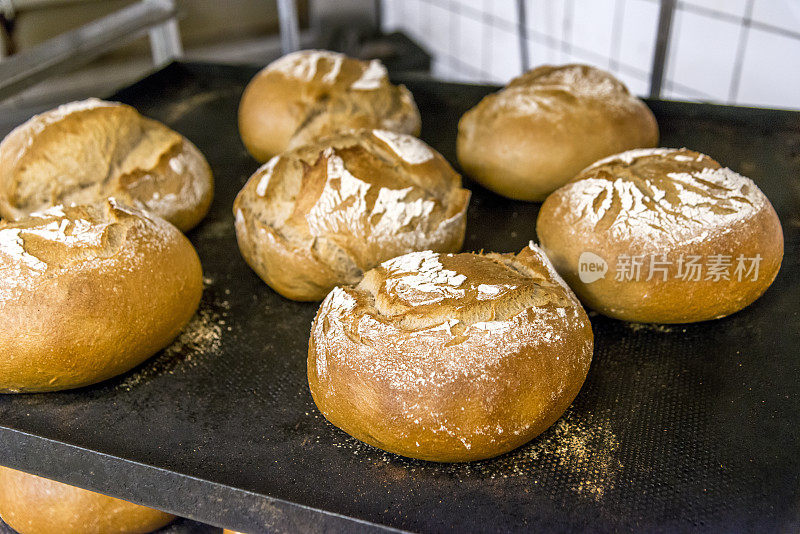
[311, 94]
[87, 151]
[676, 205]
[546, 125]
[87, 293]
[450, 357]
[323, 214]
[34, 505]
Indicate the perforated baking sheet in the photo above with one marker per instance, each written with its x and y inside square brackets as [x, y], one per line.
[677, 427]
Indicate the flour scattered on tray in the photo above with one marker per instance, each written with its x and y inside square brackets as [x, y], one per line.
[647, 327]
[175, 111]
[580, 454]
[216, 229]
[201, 336]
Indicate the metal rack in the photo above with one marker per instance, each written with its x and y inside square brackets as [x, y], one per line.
[158, 18]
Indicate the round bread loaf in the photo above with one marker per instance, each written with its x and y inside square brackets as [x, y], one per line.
[450, 357]
[322, 214]
[88, 292]
[34, 505]
[662, 236]
[546, 125]
[87, 151]
[310, 94]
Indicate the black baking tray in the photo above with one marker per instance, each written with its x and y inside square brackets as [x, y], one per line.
[677, 428]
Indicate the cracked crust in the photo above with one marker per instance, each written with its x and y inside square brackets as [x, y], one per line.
[311, 94]
[450, 357]
[536, 134]
[321, 215]
[37, 505]
[671, 203]
[84, 152]
[88, 292]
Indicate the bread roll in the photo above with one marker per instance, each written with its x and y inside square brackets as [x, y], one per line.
[320, 215]
[34, 505]
[87, 293]
[546, 125]
[311, 94]
[87, 151]
[450, 357]
[706, 240]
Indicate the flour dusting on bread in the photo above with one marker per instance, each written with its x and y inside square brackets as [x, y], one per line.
[626, 196]
[442, 349]
[339, 207]
[372, 78]
[87, 151]
[12, 246]
[408, 147]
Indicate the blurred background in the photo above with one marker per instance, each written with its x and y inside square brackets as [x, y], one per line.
[730, 51]
[744, 52]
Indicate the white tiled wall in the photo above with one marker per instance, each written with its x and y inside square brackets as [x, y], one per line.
[707, 74]
[730, 51]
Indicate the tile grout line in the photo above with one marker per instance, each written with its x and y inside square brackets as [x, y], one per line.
[616, 35]
[741, 49]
